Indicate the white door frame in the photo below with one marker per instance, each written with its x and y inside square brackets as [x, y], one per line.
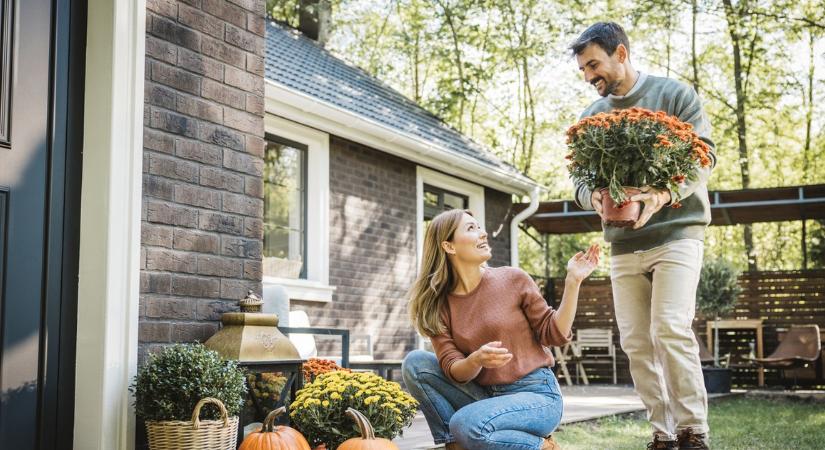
[108, 285]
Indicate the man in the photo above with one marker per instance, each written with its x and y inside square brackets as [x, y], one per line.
[655, 264]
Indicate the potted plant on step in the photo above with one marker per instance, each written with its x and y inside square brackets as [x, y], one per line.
[320, 408]
[716, 294]
[620, 151]
[190, 398]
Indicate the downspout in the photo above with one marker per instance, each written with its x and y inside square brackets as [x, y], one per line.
[520, 217]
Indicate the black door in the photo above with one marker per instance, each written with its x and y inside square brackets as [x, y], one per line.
[39, 180]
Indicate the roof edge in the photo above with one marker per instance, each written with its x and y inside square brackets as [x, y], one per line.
[302, 108]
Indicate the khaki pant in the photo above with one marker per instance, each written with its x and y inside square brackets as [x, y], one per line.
[654, 294]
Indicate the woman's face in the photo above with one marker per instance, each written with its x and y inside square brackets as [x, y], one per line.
[469, 242]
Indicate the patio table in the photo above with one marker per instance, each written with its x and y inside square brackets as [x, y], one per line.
[741, 324]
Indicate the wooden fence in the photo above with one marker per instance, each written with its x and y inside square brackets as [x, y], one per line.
[780, 299]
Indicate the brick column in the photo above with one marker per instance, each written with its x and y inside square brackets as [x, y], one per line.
[202, 229]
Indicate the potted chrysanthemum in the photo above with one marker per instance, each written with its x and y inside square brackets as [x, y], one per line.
[622, 150]
[319, 409]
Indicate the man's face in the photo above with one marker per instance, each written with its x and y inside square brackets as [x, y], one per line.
[604, 72]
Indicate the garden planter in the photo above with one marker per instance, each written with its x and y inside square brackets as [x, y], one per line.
[717, 379]
[624, 215]
[195, 434]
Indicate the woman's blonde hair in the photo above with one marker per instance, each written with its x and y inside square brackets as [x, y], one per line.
[429, 292]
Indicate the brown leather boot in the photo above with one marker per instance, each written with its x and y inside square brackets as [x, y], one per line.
[661, 444]
[453, 446]
[550, 444]
[688, 440]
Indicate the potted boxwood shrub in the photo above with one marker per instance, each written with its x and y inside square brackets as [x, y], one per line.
[623, 150]
[716, 295]
[170, 385]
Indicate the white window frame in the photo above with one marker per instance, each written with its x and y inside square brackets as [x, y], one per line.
[431, 177]
[316, 285]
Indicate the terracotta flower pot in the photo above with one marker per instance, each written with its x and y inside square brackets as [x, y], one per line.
[624, 215]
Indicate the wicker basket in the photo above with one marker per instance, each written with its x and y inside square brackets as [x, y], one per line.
[197, 434]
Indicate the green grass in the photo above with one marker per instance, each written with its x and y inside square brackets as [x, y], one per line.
[739, 423]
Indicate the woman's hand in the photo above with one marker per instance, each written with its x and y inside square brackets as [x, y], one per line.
[491, 355]
[582, 264]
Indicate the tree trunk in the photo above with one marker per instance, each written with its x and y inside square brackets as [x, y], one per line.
[448, 16]
[809, 113]
[694, 63]
[733, 17]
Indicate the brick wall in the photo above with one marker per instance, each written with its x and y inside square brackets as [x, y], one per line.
[372, 247]
[497, 214]
[203, 149]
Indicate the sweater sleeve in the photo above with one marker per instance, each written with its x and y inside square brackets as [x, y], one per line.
[689, 109]
[540, 315]
[445, 349]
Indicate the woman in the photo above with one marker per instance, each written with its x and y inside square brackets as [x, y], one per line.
[488, 386]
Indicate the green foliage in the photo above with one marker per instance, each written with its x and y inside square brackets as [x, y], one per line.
[319, 408]
[718, 287]
[169, 385]
[816, 255]
[500, 71]
[634, 147]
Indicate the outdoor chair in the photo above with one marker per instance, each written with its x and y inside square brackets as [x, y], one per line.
[800, 347]
[302, 336]
[596, 344]
[307, 348]
[569, 353]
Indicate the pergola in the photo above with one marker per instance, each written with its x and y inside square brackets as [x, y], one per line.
[744, 206]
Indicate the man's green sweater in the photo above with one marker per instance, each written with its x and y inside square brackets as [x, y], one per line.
[668, 224]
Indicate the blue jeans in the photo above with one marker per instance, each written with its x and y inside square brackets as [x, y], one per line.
[507, 416]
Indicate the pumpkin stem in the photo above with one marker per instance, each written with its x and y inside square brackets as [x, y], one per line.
[269, 421]
[363, 423]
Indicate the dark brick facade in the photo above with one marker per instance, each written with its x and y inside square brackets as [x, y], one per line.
[203, 148]
[497, 214]
[373, 246]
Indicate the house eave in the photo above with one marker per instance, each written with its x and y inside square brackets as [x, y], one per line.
[298, 107]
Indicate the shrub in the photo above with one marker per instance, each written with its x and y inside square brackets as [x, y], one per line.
[169, 385]
[718, 287]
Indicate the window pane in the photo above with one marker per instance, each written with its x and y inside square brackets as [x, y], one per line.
[437, 200]
[454, 201]
[284, 210]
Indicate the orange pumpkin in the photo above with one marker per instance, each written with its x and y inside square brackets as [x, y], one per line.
[367, 441]
[272, 437]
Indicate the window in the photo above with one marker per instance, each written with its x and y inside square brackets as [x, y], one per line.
[296, 211]
[285, 205]
[437, 192]
[437, 200]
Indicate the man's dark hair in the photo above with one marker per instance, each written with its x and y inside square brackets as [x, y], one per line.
[607, 35]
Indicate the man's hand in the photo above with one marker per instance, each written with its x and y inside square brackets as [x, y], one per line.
[491, 355]
[596, 201]
[653, 199]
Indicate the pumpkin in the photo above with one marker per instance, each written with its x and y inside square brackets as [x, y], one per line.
[272, 437]
[367, 441]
